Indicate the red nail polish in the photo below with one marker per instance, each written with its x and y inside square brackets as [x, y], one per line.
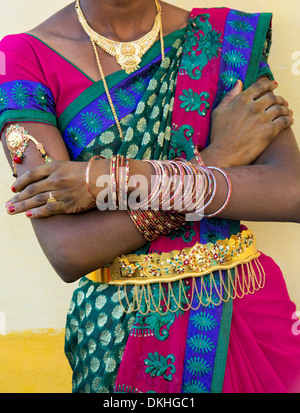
[28, 214]
[11, 208]
[13, 188]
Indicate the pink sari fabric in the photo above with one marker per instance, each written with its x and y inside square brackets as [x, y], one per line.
[43, 64]
[264, 348]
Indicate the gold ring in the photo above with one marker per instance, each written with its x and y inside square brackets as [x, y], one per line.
[51, 198]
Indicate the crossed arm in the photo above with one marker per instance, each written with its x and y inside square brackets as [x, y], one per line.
[76, 244]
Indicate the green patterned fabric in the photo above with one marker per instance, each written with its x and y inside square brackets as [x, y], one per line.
[96, 333]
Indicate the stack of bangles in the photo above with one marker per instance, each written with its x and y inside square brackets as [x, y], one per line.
[178, 188]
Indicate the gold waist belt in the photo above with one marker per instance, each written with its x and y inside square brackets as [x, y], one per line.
[219, 260]
[197, 261]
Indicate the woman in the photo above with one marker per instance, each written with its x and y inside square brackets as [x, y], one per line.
[159, 104]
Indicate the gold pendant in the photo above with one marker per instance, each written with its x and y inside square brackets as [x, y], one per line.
[128, 56]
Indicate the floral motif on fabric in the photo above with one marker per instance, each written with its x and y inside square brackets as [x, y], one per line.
[235, 58]
[238, 40]
[40, 96]
[105, 109]
[20, 94]
[125, 98]
[3, 99]
[202, 45]
[204, 321]
[76, 136]
[201, 344]
[91, 122]
[181, 143]
[198, 366]
[158, 365]
[194, 386]
[241, 25]
[192, 101]
[229, 78]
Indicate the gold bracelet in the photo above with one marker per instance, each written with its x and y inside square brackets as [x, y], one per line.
[87, 174]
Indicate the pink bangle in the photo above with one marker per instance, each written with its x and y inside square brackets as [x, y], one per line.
[189, 186]
[150, 201]
[177, 206]
[229, 193]
[200, 192]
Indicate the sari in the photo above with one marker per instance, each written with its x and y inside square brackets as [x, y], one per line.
[221, 345]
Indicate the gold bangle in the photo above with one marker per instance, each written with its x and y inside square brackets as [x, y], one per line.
[87, 174]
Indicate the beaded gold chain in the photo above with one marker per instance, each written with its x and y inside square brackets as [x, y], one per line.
[222, 286]
[85, 26]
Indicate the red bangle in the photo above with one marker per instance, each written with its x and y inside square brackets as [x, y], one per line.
[198, 156]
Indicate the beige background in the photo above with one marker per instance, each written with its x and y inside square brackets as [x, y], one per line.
[31, 294]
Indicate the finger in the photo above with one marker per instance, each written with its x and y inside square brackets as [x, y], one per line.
[282, 123]
[32, 175]
[14, 208]
[259, 88]
[233, 93]
[268, 100]
[32, 190]
[276, 111]
[47, 210]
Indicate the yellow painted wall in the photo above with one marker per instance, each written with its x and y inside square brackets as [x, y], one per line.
[32, 298]
[33, 362]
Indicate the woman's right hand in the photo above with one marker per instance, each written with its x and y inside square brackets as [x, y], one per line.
[245, 123]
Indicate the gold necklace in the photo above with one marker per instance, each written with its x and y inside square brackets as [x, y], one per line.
[102, 72]
[127, 54]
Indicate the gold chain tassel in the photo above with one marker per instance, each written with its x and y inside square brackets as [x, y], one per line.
[214, 289]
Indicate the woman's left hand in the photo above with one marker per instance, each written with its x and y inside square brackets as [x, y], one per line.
[55, 188]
